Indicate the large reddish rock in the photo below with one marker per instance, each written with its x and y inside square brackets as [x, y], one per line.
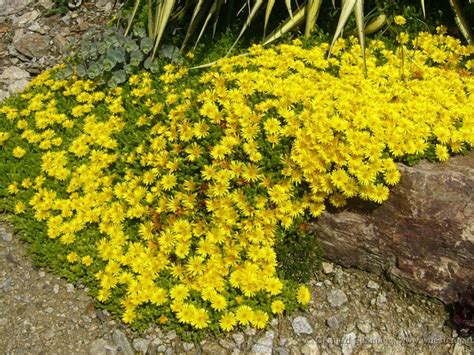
[422, 237]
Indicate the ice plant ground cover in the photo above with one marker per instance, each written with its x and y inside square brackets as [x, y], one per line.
[166, 195]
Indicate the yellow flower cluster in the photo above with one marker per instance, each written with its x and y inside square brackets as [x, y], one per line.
[188, 184]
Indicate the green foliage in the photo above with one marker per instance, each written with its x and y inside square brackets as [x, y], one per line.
[298, 252]
[110, 57]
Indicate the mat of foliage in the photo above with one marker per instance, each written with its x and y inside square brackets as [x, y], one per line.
[167, 195]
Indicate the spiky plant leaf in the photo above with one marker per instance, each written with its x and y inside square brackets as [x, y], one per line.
[312, 12]
[166, 7]
[268, 11]
[347, 7]
[286, 26]
[252, 14]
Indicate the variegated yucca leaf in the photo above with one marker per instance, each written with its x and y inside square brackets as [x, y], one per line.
[206, 12]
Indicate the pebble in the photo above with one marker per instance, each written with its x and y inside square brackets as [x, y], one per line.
[238, 338]
[310, 348]
[264, 345]
[301, 326]
[98, 347]
[7, 237]
[141, 345]
[381, 298]
[120, 339]
[69, 288]
[56, 289]
[373, 285]
[188, 346]
[250, 331]
[348, 343]
[328, 268]
[336, 298]
[332, 322]
[364, 327]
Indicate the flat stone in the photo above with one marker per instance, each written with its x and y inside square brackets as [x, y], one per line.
[56, 289]
[27, 17]
[238, 338]
[32, 45]
[348, 343]
[364, 327]
[250, 331]
[332, 322]
[301, 326]
[381, 298]
[99, 347]
[9, 7]
[3, 95]
[310, 348]
[264, 345]
[69, 288]
[120, 339]
[212, 348]
[101, 3]
[373, 285]
[18, 85]
[226, 344]
[328, 268]
[46, 4]
[188, 346]
[13, 73]
[336, 298]
[141, 345]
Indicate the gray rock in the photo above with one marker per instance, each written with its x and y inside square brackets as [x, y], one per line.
[211, 348]
[238, 338]
[188, 346]
[18, 85]
[171, 335]
[373, 285]
[364, 327]
[36, 27]
[301, 326]
[3, 95]
[120, 339]
[101, 3]
[381, 298]
[154, 346]
[336, 298]
[6, 284]
[99, 347]
[6, 235]
[46, 4]
[328, 268]
[310, 348]
[141, 345]
[26, 18]
[9, 7]
[56, 289]
[32, 44]
[13, 73]
[332, 322]
[69, 288]
[250, 331]
[226, 344]
[348, 343]
[264, 345]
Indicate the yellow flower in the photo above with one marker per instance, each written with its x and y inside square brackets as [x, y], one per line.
[278, 307]
[18, 152]
[400, 20]
[20, 207]
[441, 152]
[244, 314]
[72, 257]
[228, 321]
[13, 189]
[303, 296]
[86, 260]
[3, 137]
